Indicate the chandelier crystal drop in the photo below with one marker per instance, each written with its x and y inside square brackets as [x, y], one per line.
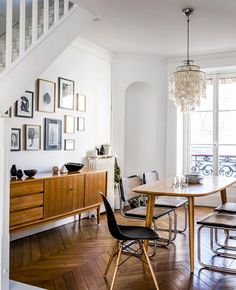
[188, 84]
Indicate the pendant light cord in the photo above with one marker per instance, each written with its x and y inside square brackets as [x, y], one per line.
[188, 39]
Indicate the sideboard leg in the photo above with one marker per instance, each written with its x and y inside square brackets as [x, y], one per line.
[98, 214]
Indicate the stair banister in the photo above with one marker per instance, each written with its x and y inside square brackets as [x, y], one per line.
[56, 11]
[22, 28]
[45, 15]
[34, 20]
[8, 57]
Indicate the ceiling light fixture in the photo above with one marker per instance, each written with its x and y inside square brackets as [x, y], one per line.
[188, 84]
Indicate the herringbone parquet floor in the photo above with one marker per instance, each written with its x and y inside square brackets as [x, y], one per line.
[73, 257]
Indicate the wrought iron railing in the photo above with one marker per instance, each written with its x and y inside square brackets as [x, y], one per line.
[203, 164]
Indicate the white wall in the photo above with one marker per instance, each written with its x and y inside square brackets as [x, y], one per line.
[126, 70]
[90, 67]
[225, 62]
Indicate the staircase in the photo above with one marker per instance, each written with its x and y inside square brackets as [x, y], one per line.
[37, 31]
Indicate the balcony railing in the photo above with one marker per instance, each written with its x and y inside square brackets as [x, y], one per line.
[203, 164]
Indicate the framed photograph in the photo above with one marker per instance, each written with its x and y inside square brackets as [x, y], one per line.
[81, 103]
[52, 134]
[15, 139]
[80, 124]
[66, 94]
[24, 106]
[69, 124]
[32, 137]
[46, 96]
[7, 114]
[69, 144]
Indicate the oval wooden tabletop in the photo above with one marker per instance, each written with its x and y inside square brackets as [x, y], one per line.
[208, 185]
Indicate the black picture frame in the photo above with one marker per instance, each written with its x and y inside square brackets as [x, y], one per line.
[15, 139]
[66, 91]
[52, 134]
[24, 106]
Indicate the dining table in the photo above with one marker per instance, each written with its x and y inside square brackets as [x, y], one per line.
[207, 186]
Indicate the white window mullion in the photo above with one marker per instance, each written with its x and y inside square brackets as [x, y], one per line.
[215, 126]
[187, 143]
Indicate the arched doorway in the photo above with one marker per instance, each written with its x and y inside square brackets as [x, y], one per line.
[141, 133]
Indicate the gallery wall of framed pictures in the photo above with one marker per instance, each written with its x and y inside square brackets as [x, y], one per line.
[48, 132]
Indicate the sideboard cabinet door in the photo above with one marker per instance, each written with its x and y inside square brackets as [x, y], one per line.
[63, 195]
[95, 182]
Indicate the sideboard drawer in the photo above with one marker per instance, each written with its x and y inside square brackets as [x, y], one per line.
[24, 188]
[27, 215]
[27, 201]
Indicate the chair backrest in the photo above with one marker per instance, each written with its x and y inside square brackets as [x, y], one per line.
[126, 186]
[111, 220]
[150, 176]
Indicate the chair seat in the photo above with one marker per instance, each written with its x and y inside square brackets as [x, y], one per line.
[171, 202]
[140, 212]
[229, 207]
[138, 233]
[219, 220]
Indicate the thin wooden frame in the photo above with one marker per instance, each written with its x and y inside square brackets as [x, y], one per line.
[80, 124]
[24, 106]
[69, 144]
[32, 137]
[52, 134]
[81, 102]
[15, 139]
[66, 90]
[46, 95]
[69, 124]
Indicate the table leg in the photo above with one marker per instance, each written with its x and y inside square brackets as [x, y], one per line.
[191, 231]
[223, 196]
[149, 214]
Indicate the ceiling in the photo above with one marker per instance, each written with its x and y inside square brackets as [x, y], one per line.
[157, 27]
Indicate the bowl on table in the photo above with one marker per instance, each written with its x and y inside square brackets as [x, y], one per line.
[74, 167]
[193, 177]
[30, 172]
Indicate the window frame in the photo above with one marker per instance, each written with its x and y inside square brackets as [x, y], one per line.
[215, 77]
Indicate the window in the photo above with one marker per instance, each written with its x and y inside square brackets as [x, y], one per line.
[211, 130]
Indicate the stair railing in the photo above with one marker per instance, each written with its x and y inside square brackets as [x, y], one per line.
[59, 10]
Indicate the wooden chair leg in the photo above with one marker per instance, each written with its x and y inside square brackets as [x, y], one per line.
[150, 267]
[111, 257]
[116, 267]
[98, 214]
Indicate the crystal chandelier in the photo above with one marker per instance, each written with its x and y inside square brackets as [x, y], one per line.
[188, 84]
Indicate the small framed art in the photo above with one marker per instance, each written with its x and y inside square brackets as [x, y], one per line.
[69, 124]
[32, 137]
[52, 134]
[7, 114]
[81, 102]
[15, 139]
[69, 144]
[66, 94]
[80, 124]
[46, 96]
[24, 106]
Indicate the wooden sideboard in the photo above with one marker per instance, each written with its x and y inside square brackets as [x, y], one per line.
[50, 197]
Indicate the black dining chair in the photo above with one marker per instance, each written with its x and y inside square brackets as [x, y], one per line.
[124, 234]
[132, 205]
[170, 202]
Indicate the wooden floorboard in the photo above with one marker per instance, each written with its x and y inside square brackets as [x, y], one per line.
[74, 257]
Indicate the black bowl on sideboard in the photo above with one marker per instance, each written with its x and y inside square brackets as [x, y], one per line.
[30, 172]
[73, 167]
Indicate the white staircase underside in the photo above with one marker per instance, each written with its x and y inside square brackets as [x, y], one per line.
[16, 79]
